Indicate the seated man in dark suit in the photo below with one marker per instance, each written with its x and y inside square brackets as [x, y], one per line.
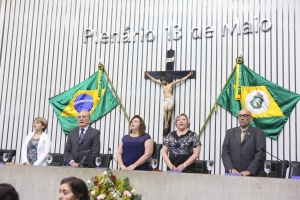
[241, 150]
[82, 139]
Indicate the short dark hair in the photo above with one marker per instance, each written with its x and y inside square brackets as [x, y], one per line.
[8, 192]
[142, 129]
[78, 187]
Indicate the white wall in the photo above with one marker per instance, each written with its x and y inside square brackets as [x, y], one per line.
[42, 53]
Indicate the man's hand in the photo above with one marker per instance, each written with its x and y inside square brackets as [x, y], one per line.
[234, 171]
[191, 73]
[147, 74]
[245, 173]
[74, 164]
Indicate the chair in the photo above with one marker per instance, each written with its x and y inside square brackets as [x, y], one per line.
[155, 154]
[106, 160]
[278, 169]
[57, 159]
[11, 154]
[294, 169]
[200, 167]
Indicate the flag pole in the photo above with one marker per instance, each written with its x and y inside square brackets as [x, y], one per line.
[214, 109]
[102, 67]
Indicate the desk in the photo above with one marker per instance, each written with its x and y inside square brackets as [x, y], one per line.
[37, 182]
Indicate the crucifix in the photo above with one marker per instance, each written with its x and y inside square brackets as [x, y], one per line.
[165, 78]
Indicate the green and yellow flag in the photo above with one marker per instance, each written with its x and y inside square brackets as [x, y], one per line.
[93, 95]
[270, 104]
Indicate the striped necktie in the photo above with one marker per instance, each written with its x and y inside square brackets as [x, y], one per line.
[81, 135]
[242, 135]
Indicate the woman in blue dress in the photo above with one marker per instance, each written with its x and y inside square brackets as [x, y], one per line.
[136, 147]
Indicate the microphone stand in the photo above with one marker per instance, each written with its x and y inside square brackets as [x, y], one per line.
[109, 152]
[284, 161]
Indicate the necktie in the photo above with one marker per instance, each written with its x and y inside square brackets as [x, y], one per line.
[81, 134]
[242, 135]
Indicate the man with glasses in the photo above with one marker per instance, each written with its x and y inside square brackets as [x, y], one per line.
[241, 150]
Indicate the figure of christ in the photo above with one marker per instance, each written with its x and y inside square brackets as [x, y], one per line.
[168, 95]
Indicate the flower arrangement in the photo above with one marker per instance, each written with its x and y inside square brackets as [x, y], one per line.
[108, 187]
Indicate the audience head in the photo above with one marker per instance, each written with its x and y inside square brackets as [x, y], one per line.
[245, 117]
[137, 124]
[182, 122]
[40, 123]
[8, 192]
[83, 118]
[73, 188]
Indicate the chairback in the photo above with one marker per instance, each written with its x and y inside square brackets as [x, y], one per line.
[155, 154]
[106, 160]
[294, 169]
[278, 169]
[11, 154]
[200, 167]
[57, 159]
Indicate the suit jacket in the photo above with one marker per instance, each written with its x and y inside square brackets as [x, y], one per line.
[90, 141]
[246, 155]
[43, 149]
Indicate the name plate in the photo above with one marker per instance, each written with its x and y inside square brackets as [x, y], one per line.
[174, 171]
[231, 174]
[295, 177]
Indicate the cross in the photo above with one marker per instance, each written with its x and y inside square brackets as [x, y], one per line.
[168, 76]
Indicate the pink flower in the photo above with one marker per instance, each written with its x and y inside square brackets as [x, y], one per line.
[127, 193]
[101, 196]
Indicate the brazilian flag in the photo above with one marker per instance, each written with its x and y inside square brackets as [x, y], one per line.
[270, 104]
[93, 95]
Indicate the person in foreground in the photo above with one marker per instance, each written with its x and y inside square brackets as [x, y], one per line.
[8, 192]
[36, 145]
[82, 139]
[241, 150]
[183, 146]
[73, 188]
[136, 147]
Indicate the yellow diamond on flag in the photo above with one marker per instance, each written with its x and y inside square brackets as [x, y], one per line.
[260, 102]
[82, 100]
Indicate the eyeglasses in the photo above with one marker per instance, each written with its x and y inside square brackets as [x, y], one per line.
[243, 115]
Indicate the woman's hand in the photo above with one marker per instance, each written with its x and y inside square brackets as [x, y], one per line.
[180, 167]
[27, 163]
[124, 167]
[131, 167]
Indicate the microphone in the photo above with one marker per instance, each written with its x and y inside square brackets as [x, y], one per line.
[81, 162]
[285, 161]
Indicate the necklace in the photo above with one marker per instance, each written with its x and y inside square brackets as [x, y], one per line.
[133, 138]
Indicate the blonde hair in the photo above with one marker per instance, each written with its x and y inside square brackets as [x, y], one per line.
[43, 121]
[187, 118]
